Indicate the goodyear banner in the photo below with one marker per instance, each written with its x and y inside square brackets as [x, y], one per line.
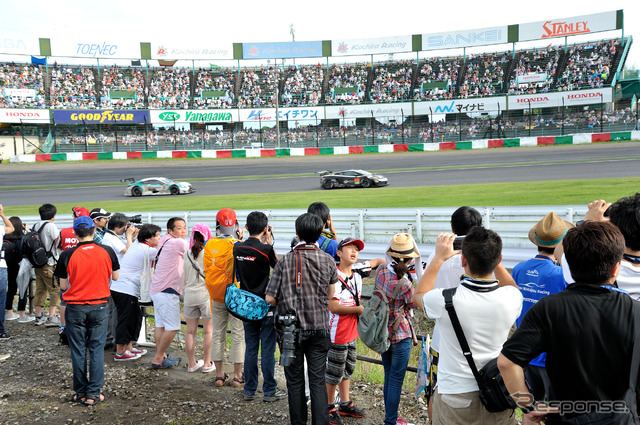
[194, 116]
[298, 49]
[86, 116]
[586, 24]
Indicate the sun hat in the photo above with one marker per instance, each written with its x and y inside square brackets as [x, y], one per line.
[351, 241]
[548, 232]
[227, 221]
[403, 246]
[83, 222]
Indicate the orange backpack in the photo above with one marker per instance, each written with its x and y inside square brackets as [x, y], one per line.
[219, 268]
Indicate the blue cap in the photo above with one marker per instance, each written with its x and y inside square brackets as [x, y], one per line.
[83, 222]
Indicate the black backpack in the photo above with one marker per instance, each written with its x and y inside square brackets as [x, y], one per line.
[33, 248]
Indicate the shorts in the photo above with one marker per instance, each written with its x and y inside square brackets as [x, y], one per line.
[341, 362]
[466, 408]
[197, 311]
[129, 317]
[166, 311]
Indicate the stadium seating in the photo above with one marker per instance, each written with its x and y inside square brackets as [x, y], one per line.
[21, 77]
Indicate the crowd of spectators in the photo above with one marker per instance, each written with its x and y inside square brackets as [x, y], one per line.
[588, 65]
[170, 88]
[73, 88]
[392, 82]
[484, 75]
[258, 88]
[122, 79]
[536, 61]
[441, 70]
[221, 81]
[303, 85]
[22, 77]
[350, 76]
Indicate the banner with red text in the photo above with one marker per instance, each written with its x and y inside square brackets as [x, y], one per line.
[576, 25]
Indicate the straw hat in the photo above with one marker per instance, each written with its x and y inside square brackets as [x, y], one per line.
[548, 232]
[403, 246]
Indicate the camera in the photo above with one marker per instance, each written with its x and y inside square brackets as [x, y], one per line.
[135, 218]
[290, 334]
[457, 243]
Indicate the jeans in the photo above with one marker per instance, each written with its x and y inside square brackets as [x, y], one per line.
[87, 330]
[256, 334]
[3, 295]
[394, 361]
[314, 348]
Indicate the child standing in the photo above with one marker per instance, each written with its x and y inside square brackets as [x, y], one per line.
[343, 321]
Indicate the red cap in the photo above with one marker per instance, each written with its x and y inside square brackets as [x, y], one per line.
[351, 241]
[80, 212]
[226, 217]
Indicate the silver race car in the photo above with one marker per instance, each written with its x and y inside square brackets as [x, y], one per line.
[156, 186]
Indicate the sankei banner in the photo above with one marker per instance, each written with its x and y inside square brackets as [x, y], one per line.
[24, 115]
[454, 106]
[195, 50]
[19, 44]
[550, 100]
[284, 114]
[297, 49]
[576, 25]
[169, 117]
[380, 110]
[90, 47]
[466, 38]
[87, 116]
[371, 46]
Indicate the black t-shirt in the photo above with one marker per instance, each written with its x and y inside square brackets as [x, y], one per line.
[588, 334]
[254, 260]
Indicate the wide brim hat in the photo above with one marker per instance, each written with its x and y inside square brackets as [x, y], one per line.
[403, 246]
[549, 232]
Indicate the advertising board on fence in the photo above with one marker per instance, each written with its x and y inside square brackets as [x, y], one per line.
[531, 78]
[454, 106]
[19, 44]
[86, 116]
[292, 114]
[168, 117]
[26, 116]
[576, 25]
[379, 110]
[371, 46]
[571, 98]
[89, 47]
[297, 49]
[466, 38]
[196, 50]
[23, 93]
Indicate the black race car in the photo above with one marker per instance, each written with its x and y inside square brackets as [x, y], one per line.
[350, 178]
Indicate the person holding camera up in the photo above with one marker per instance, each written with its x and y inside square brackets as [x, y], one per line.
[119, 225]
[301, 285]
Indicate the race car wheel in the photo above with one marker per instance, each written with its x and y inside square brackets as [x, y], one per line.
[136, 191]
[174, 190]
[328, 184]
[365, 183]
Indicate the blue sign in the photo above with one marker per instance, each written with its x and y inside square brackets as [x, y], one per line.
[298, 49]
[100, 117]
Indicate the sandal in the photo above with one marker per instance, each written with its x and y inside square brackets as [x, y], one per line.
[221, 380]
[78, 398]
[238, 382]
[92, 400]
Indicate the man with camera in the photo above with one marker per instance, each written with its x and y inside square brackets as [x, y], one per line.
[117, 226]
[301, 285]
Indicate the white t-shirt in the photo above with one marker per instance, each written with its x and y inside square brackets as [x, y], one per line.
[448, 277]
[50, 241]
[130, 269]
[486, 318]
[116, 243]
[629, 279]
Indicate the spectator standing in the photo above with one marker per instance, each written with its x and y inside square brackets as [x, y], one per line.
[84, 273]
[12, 246]
[328, 241]
[166, 289]
[101, 218]
[625, 215]
[6, 228]
[196, 300]
[305, 292]
[117, 226]
[219, 273]
[254, 259]
[46, 282]
[487, 309]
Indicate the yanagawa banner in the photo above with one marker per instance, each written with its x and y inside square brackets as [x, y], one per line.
[454, 106]
[571, 98]
[576, 25]
[24, 115]
[168, 117]
[371, 46]
[466, 38]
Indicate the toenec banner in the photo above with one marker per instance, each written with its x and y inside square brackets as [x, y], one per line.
[100, 117]
[586, 24]
[466, 38]
[298, 49]
[95, 48]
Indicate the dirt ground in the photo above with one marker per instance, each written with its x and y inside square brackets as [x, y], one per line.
[36, 386]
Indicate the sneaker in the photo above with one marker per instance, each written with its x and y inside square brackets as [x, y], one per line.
[4, 357]
[26, 319]
[39, 320]
[140, 352]
[248, 397]
[51, 322]
[401, 421]
[279, 394]
[196, 366]
[12, 316]
[348, 409]
[127, 355]
[334, 417]
[210, 368]
[4, 336]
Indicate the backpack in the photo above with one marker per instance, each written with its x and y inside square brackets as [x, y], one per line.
[218, 266]
[373, 324]
[33, 248]
[244, 305]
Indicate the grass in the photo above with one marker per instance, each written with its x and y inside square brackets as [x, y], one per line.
[553, 192]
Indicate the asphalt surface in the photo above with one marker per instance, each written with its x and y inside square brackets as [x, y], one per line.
[403, 170]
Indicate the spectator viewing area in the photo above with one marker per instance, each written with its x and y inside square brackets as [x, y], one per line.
[321, 93]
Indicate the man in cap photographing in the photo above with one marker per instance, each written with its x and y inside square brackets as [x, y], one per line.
[101, 218]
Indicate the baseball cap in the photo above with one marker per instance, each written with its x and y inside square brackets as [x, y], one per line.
[99, 213]
[227, 220]
[351, 241]
[80, 211]
[83, 222]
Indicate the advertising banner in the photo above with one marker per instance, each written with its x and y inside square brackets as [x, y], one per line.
[387, 110]
[466, 38]
[24, 115]
[20, 93]
[196, 50]
[86, 116]
[454, 106]
[86, 47]
[586, 24]
[284, 114]
[571, 98]
[371, 46]
[194, 115]
[531, 78]
[19, 45]
[298, 49]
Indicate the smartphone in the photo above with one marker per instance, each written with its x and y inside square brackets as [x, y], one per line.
[457, 243]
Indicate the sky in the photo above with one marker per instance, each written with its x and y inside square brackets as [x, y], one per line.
[265, 21]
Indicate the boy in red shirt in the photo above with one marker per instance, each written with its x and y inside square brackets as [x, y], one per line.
[343, 322]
